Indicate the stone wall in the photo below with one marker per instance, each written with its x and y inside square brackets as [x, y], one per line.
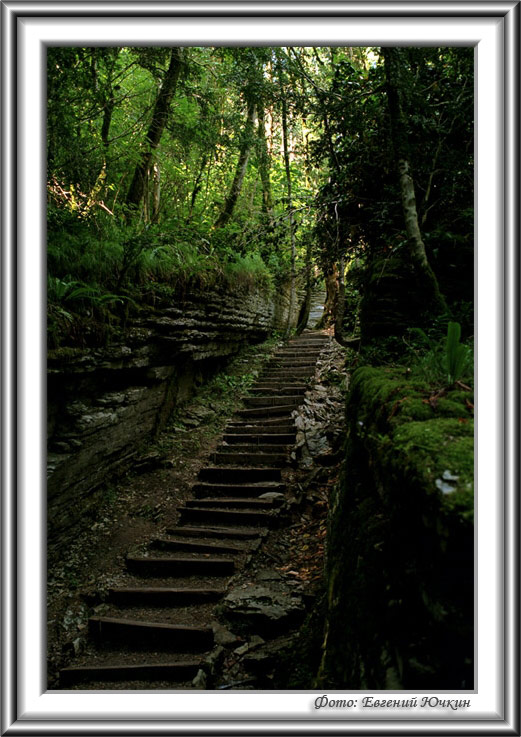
[401, 541]
[104, 405]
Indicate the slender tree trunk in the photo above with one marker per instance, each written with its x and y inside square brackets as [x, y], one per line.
[99, 184]
[146, 197]
[293, 275]
[197, 185]
[331, 279]
[159, 119]
[307, 300]
[156, 193]
[240, 170]
[416, 246]
[340, 302]
[264, 163]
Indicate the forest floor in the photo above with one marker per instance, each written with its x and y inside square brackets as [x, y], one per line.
[143, 504]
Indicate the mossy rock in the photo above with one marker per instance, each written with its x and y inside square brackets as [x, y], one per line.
[400, 542]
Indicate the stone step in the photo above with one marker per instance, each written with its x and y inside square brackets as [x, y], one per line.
[272, 424]
[233, 475]
[307, 343]
[237, 533]
[138, 635]
[254, 448]
[281, 409]
[262, 440]
[276, 387]
[271, 421]
[292, 363]
[174, 671]
[283, 374]
[179, 566]
[162, 596]
[190, 546]
[236, 490]
[298, 352]
[277, 399]
[231, 503]
[235, 516]
[259, 459]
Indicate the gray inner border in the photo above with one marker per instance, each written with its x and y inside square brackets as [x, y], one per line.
[12, 11]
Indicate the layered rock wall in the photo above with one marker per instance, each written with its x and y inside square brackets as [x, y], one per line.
[104, 405]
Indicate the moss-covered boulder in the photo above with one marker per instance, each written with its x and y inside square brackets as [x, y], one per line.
[400, 554]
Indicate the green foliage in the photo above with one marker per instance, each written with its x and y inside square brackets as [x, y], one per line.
[344, 189]
[224, 383]
[457, 355]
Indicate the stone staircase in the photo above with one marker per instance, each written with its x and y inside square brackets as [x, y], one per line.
[158, 629]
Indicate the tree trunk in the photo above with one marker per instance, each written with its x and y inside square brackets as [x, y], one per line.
[416, 246]
[99, 184]
[293, 275]
[197, 186]
[240, 170]
[340, 303]
[156, 193]
[304, 313]
[264, 164]
[159, 119]
[331, 279]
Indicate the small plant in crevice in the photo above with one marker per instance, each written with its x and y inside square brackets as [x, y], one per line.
[456, 353]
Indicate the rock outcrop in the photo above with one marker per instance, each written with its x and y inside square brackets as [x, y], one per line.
[400, 563]
[105, 404]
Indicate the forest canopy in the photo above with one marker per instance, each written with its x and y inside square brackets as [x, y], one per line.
[180, 167]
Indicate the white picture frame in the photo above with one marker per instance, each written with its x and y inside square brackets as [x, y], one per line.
[27, 29]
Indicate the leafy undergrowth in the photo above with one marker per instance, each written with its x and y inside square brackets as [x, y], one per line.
[98, 278]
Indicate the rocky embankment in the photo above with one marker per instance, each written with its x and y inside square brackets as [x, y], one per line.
[105, 404]
[400, 552]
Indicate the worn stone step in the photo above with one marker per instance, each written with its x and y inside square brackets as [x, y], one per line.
[276, 387]
[259, 459]
[273, 425]
[298, 353]
[174, 671]
[286, 373]
[272, 421]
[253, 448]
[191, 546]
[235, 475]
[263, 440]
[286, 367]
[292, 362]
[162, 596]
[309, 335]
[138, 635]
[234, 533]
[309, 345]
[308, 341]
[237, 490]
[263, 411]
[231, 503]
[179, 566]
[277, 399]
[235, 516]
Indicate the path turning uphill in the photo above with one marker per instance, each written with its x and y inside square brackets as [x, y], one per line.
[159, 628]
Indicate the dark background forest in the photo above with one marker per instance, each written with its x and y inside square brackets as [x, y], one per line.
[171, 167]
